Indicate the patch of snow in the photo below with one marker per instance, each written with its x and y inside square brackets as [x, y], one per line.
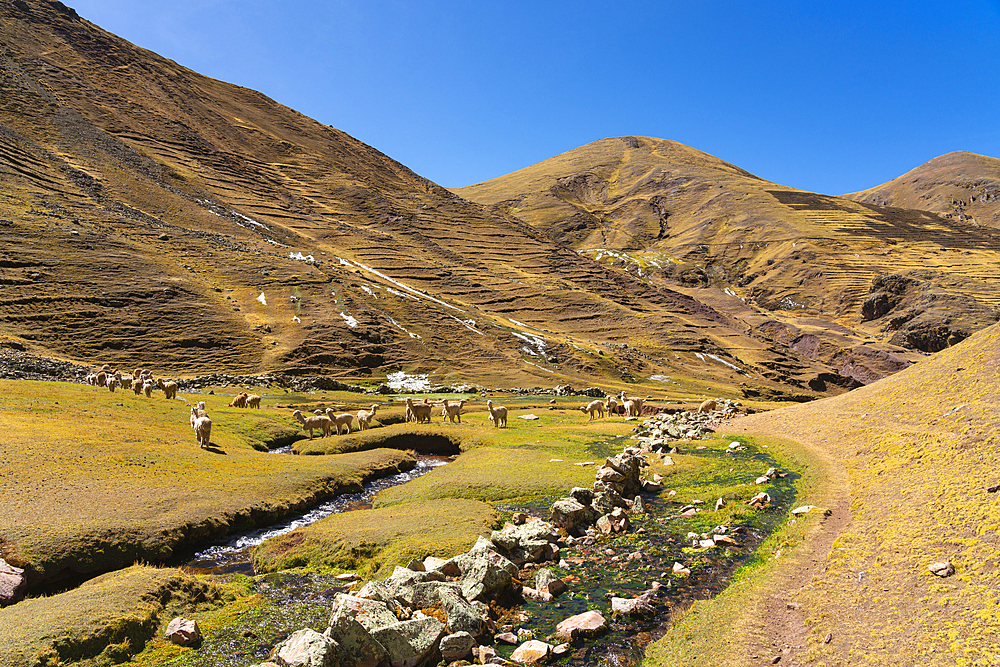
[528, 417]
[700, 355]
[402, 294]
[535, 341]
[351, 322]
[250, 221]
[402, 382]
[399, 284]
[295, 318]
[539, 367]
[299, 257]
[730, 291]
[731, 365]
[262, 299]
[401, 328]
[661, 378]
[369, 291]
[468, 324]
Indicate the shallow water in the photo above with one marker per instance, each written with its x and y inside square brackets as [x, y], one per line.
[233, 556]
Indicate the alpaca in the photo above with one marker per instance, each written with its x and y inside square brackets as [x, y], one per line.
[239, 401]
[320, 421]
[137, 388]
[147, 388]
[594, 407]
[453, 410]
[196, 412]
[203, 431]
[707, 406]
[112, 382]
[253, 401]
[102, 379]
[126, 382]
[342, 419]
[169, 388]
[498, 415]
[365, 417]
[421, 412]
[610, 405]
[632, 405]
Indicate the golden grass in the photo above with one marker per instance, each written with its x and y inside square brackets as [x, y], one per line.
[95, 480]
[917, 451]
[107, 618]
[373, 542]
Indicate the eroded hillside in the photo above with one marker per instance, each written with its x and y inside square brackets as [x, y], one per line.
[155, 216]
[797, 267]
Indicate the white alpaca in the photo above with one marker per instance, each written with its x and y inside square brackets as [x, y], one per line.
[365, 417]
[169, 388]
[421, 412]
[342, 419]
[147, 388]
[610, 405]
[633, 405]
[498, 415]
[321, 422]
[196, 412]
[593, 408]
[137, 388]
[203, 431]
[253, 401]
[112, 383]
[453, 411]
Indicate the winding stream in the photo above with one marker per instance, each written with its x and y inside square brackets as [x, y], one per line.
[233, 557]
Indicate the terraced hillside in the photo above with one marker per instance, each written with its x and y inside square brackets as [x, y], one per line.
[960, 186]
[154, 216]
[675, 216]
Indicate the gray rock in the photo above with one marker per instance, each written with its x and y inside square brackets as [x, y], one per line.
[588, 624]
[633, 606]
[378, 591]
[547, 581]
[531, 652]
[463, 616]
[942, 569]
[412, 642]
[571, 515]
[372, 614]
[306, 648]
[582, 495]
[12, 583]
[484, 578]
[356, 641]
[457, 646]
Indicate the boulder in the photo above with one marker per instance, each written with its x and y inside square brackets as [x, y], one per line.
[12, 583]
[570, 515]
[942, 569]
[588, 624]
[535, 595]
[582, 495]
[376, 590]
[638, 505]
[485, 654]
[462, 615]
[356, 641]
[306, 648]
[434, 563]
[633, 606]
[483, 578]
[531, 652]
[183, 631]
[457, 646]
[372, 614]
[426, 593]
[410, 643]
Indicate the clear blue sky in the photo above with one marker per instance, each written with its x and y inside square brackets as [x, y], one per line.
[831, 97]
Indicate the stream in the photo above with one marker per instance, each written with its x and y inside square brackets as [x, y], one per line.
[233, 556]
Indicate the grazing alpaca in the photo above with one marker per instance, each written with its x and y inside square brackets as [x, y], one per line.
[169, 388]
[453, 411]
[253, 401]
[198, 411]
[421, 412]
[239, 401]
[498, 415]
[342, 419]
[321, 422]
[610, 405]
[707, 406]
[203, 431]
[365, 417]
[594, 407]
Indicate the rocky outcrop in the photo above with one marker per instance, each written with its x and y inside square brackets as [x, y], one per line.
[12, 583]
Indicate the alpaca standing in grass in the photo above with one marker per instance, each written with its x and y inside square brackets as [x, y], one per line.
[321, 422]
[239, 401]
[253, 401]
[365, 417]
[341, 420]
[498, 415]
[632, 405]
[453, 411]
[421, 412]
[198, 411]
[708, 405]
[169, 388]
[610, 405]
[203, 431]
[594, 408]
[147, 388]
[137, 388]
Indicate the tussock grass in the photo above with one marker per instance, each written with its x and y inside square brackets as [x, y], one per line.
[373, 542]
[107, 618]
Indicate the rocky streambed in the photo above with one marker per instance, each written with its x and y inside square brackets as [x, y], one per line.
[591, 585]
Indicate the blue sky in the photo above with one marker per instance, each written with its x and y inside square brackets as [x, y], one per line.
[831, 97]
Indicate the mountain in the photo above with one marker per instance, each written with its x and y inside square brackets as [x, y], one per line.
[153, 216]
[961, 186]
[819, 274]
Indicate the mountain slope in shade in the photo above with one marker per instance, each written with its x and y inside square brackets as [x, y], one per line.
[153, 216]
[960, 185]
[680, 217]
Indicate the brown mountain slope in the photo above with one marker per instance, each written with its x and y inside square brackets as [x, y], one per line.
[960, 185]
[916, 459]
[154, 216]
[679, 217]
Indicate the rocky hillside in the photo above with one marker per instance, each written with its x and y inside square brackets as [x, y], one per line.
[794, 266]
[154, 216]
[960, 186]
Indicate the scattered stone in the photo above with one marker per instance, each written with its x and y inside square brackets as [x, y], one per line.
[760, 500]
[528, 417]
[416, 565]
[547, 581]
[348, 576]
[531, 652]
[306, 648]
[506, 638]
[680, 570]
[12, 583]
[411, 642]
[588, 624]
[183, 631]
[485, 654]
[804, 509]
[535, 595]
[457, 646]
[942, 569]
[719, 504]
